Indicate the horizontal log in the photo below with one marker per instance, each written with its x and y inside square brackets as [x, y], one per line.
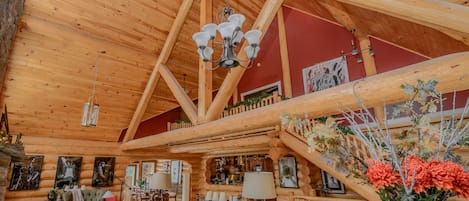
[314, 157]
[445, 17]
[452, 71]
[236, 143]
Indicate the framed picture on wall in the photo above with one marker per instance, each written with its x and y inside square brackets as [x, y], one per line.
[26, 174]
[325, 75]
[287, 172]
[68, 171]
[148, 168]
[331, 184]
[103, 171]
[176, 168]
[132, 172]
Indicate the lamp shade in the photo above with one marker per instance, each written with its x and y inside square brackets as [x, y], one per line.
[259, 185]
[226, 29]
[208, 196]
[253, 36]
[222, 196]
[108, 194]
[211, 29]
[205, 53]
[237, 38]
[251, 51]
[237, 19]
[215, 196]
[201, 38]
[160, 180]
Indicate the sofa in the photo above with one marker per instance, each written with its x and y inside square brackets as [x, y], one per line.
[88, 195]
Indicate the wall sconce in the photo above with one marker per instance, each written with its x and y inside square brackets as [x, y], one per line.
[91, 107]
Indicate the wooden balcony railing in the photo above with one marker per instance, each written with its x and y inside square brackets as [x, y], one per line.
[269, 100]
[357, 148]
[178, 125]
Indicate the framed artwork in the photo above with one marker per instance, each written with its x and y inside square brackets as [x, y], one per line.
[148, 168]
[131, 172]
[103, 171]
[68, 171]
[331, 184]
[26, 174]
[266, 89]
[287, 172]
[176, 168]
[325, 75]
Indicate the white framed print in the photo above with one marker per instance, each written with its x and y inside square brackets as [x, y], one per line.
[325, 75]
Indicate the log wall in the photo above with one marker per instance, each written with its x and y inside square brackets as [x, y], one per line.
[52, 148]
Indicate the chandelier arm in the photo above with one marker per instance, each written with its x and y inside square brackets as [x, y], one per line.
[212, 69]
[246, 67]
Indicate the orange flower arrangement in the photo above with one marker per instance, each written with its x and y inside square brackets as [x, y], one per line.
[381, 174]
[446, 178]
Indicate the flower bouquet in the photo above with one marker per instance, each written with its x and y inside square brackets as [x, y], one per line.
[415, 163]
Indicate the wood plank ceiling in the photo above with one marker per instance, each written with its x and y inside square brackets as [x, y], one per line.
[51, 68]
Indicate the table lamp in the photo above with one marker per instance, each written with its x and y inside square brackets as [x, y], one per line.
[108, 196]
[259, 185]
[160, 181]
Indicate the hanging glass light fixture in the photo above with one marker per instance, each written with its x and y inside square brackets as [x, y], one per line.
[91, 107]
[230, 31]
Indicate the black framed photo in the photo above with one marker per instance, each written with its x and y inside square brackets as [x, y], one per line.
[103, 172]
[331, 184]
[26, 174]
[68, 171]
[287, 172]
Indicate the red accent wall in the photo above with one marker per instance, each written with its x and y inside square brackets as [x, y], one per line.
[389, 57]
[158, 124]
[310, 41]
[270, 69]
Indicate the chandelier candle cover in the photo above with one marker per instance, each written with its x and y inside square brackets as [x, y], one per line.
[230, 31]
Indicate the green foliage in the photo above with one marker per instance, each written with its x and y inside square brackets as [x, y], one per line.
[252, 101]
[183, 120]
[398, 193]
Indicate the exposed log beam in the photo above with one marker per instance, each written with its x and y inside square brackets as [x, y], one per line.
[315, 157]
[263, 21]
[223, 145]
[452, 71]
[446, 17]
[284, 54]
[340, 14]
[154, 77]
[184, 100]
[205, 75]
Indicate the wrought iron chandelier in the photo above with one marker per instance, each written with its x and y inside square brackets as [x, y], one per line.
[230, 31]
